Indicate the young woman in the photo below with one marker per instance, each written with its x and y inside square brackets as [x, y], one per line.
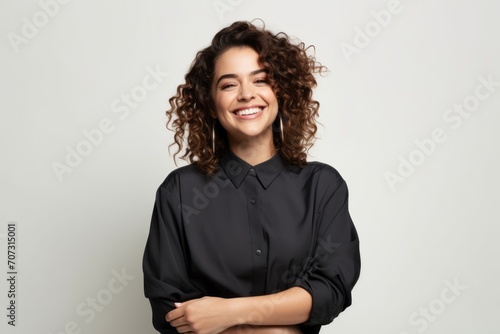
[250, 235]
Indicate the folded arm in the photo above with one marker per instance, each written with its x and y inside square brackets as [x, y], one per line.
[274, 312]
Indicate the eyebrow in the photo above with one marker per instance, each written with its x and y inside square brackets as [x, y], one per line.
[232, 76]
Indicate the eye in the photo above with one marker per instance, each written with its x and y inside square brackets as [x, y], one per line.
[227, 85]
[261, 81]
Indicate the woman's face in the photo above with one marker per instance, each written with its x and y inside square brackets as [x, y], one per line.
[245, 103]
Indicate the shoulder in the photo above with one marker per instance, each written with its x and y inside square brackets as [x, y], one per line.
[323, 168]
[174, 178]
[325, 178]
[324, 171]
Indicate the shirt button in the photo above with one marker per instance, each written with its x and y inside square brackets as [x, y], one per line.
[258, 252]
[252, 202]
[252, 172]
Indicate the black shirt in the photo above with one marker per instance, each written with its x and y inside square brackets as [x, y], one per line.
[252, 230]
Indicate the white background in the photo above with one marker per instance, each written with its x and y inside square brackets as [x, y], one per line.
[437, 225]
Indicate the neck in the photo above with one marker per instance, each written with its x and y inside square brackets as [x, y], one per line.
[253, 151]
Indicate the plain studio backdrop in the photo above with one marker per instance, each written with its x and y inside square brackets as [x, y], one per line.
[409, 116]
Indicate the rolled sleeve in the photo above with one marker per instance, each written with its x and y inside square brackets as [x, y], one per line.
[166, 279]
[333, 269]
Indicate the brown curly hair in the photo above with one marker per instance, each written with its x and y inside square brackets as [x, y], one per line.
[291, 75]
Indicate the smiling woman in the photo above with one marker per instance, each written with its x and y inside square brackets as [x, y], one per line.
[237, 238]
[289, 73]
[245, 104]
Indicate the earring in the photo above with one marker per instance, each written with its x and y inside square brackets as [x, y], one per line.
[281, 130]
[213, 137]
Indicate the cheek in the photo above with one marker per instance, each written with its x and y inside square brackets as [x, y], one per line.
[221, 111]
[273, 102]
[219, 106]
[221, 101]
[270, 97]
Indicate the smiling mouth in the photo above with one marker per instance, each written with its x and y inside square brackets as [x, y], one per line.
[248, 111]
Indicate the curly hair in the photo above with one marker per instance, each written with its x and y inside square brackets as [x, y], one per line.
[291, 76]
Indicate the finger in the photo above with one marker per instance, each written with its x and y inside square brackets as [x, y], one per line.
[174, 314]
[184, 329]
[178, 322]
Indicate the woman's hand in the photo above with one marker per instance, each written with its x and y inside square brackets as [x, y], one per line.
[207, 315]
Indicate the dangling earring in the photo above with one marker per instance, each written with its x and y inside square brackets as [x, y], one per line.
[213, 137]
[281, 130]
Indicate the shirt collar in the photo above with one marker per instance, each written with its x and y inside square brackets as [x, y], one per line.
[237, 169]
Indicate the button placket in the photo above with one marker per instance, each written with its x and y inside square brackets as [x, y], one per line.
[258, 243]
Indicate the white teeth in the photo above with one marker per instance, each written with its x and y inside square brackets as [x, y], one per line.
[249, 111]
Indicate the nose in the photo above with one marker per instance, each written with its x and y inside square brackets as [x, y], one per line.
[246, 92]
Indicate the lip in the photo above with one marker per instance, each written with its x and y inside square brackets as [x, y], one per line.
[251, 116]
